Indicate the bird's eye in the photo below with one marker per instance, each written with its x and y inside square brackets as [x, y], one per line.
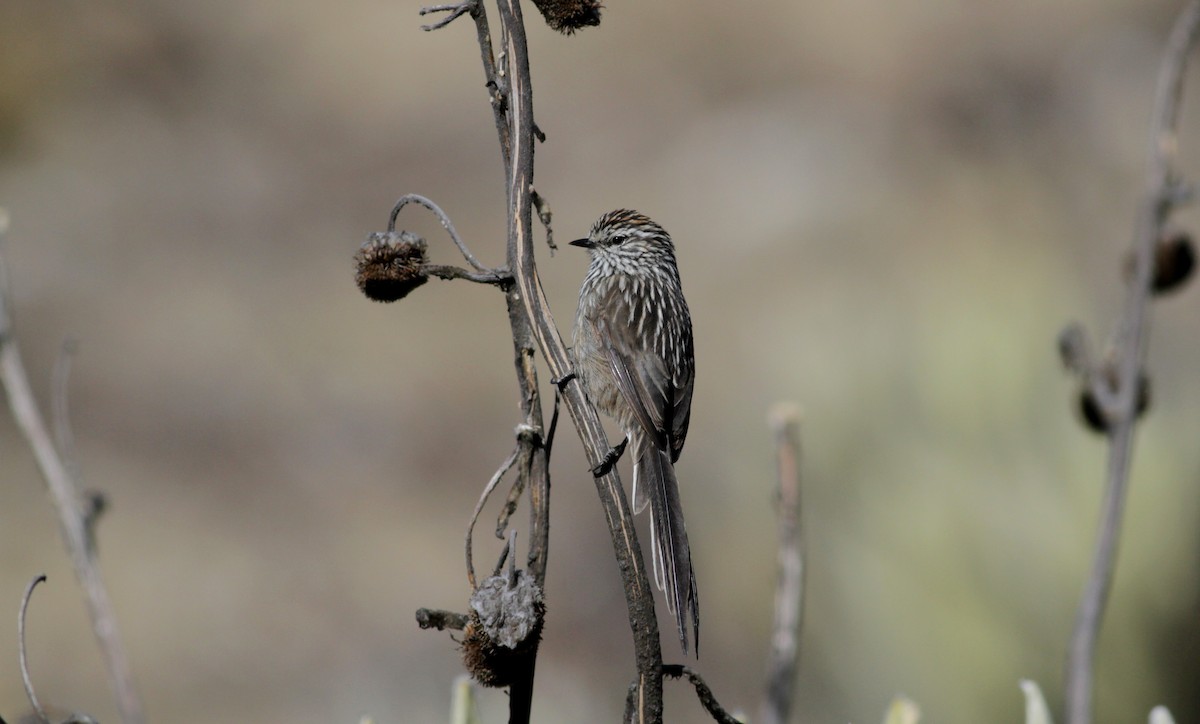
[616, 239]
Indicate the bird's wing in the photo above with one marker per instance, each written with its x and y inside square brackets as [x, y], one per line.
[661, 405]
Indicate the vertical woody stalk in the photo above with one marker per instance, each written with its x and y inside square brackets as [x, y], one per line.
[638, 594]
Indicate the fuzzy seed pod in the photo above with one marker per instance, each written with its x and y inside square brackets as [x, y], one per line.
[567, 16]
[389, 265]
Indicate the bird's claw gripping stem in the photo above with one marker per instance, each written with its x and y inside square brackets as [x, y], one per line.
[610, 459]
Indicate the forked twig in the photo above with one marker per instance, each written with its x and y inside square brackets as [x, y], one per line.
[456, 10]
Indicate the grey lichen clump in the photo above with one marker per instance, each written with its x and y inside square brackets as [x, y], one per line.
[504, 626]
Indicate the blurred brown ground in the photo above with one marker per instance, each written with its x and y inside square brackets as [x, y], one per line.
[885, 211]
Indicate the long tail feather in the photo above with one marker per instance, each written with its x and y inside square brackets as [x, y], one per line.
[669, 543]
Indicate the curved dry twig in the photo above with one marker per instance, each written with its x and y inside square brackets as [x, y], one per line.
[487, 493]
[445, 220]
[25, 678]
[1119, 402]
[703, 693]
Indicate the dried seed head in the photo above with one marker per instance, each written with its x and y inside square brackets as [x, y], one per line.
[487, 663]
[390, 264]
[567, 16]
[503, 627]
[1174, 260]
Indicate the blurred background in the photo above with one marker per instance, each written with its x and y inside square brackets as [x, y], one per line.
[885, 211]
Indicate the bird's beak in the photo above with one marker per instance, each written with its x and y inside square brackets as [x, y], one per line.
[585, 243]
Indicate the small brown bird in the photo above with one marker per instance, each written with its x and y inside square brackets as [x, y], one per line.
[633, 353]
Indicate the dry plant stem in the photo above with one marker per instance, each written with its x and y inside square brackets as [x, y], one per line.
[72, 517]
[638, 594]
[511, 101]
[533, 462]
[25, 678]
[530, 456]
[1162, 193]
[784, 655]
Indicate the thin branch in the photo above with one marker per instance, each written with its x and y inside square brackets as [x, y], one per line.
[456, 10]
[703, 693]
[638, 594]
[72, 515]
[1161, 196]
[496, 277]
[449, 227]
[487, 493]
[784, 656]
[21, 649]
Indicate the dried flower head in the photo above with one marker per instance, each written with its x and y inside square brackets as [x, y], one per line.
[503, 627]
[567, 16]
[389, 265]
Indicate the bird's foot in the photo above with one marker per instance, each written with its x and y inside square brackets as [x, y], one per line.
[614, 454]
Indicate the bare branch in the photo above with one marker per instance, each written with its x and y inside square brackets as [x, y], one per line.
[784, 656]
[72, 513]
[1161, 195]
[21, 649]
